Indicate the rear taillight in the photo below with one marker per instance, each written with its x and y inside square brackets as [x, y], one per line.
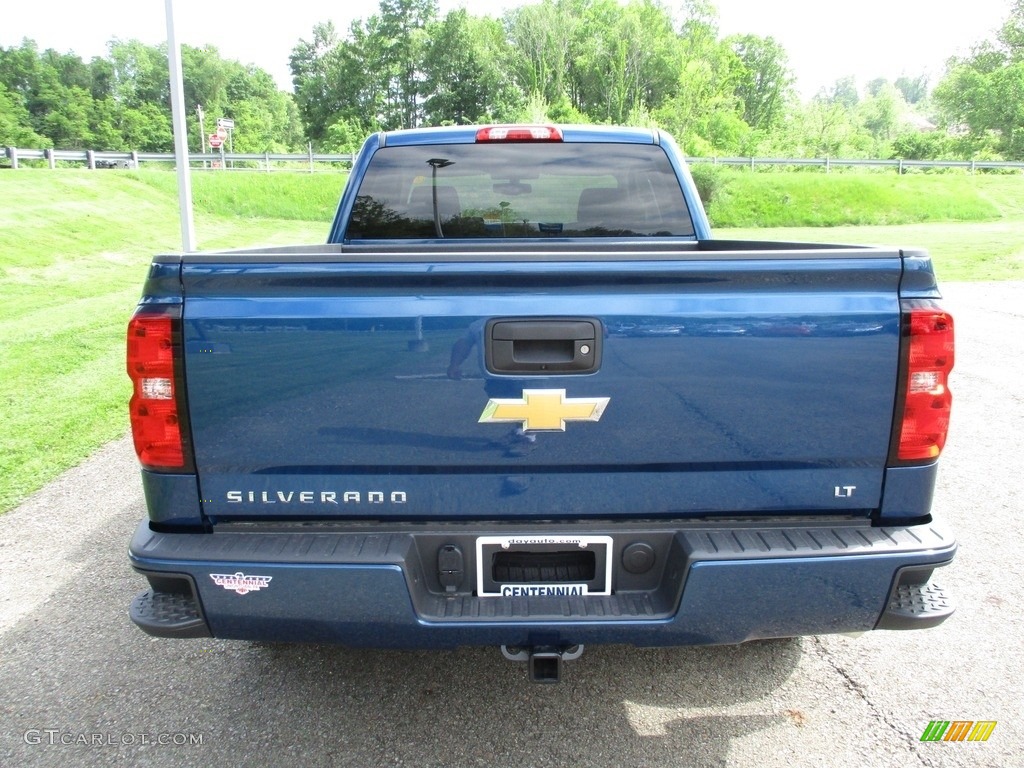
[928, 344]
[519, 133]
[156, 415]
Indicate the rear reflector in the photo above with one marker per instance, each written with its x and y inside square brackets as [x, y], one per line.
[156, 422]
[519, 133]
[927, 399]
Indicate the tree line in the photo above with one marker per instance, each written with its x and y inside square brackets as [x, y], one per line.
[589, 61]
[122, 101]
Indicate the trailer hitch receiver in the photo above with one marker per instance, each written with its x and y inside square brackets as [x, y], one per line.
[544, 662]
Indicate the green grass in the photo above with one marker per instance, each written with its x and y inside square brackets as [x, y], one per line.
[75, 246]
[960, 251]
[973, 226]
[275, 195]
[74, 250]
[805, 199]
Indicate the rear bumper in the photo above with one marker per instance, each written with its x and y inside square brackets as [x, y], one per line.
[705, 583]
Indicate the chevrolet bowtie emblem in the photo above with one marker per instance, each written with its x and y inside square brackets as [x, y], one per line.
[544, 409]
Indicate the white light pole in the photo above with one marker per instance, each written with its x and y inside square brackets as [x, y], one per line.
[188, 230]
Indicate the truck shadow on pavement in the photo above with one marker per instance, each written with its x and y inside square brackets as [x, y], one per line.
[616, 705]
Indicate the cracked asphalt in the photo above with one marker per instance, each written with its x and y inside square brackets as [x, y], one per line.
[81, 686]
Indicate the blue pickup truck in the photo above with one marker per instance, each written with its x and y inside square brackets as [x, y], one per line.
[522, 398]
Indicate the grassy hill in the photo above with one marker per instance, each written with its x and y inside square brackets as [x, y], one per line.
[736, 198]
[287, 196]
[74, 250]
[75, 246]
[973, 226]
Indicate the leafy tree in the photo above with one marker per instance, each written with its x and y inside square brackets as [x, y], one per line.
[363, 93]
[704, 100]
[562, 110]
[374, 77]
[147, 128]
[984, 93]
[622, 57]
[140, 73]
[70, 70]
[312, 64]
[55, 91]
[103, 126]
[882, 112]
[399, 39]
[67, 122]
[15, 124]
[921, 145]
[825, 128]
[541, 36]
[19, 69]
[843, 92]
[465, 76]
[764, 82]
[559, 60]
[343, 136]
[205, 80]
[23, 72]
[1011, 34]
[101, 78]
[564, 60]
[914, 90]
[122, 102]
[266, 119]
[875, 87]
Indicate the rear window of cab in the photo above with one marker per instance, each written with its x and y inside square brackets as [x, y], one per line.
[519, 191]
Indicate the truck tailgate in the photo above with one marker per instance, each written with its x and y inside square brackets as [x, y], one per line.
[356, 389]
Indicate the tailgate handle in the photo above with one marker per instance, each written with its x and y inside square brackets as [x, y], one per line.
[543, 346]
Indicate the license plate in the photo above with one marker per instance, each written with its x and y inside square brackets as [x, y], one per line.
[543, 566]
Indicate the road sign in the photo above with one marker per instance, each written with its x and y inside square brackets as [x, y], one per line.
[222, 132]
[215, 141]
[223, 122]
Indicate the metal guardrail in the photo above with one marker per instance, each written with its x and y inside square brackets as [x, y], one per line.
[828, 163]
[266, 161]
[101, 159]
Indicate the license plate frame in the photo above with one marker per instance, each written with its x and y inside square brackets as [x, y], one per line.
[600, 585]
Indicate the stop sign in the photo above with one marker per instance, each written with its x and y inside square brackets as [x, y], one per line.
[215, 141]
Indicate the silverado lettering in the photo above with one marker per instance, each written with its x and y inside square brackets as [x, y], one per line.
[606, 424]
[311, 497]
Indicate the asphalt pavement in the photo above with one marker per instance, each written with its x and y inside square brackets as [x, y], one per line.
[79, 685]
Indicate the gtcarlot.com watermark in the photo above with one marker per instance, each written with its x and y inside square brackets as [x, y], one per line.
[57, 737]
